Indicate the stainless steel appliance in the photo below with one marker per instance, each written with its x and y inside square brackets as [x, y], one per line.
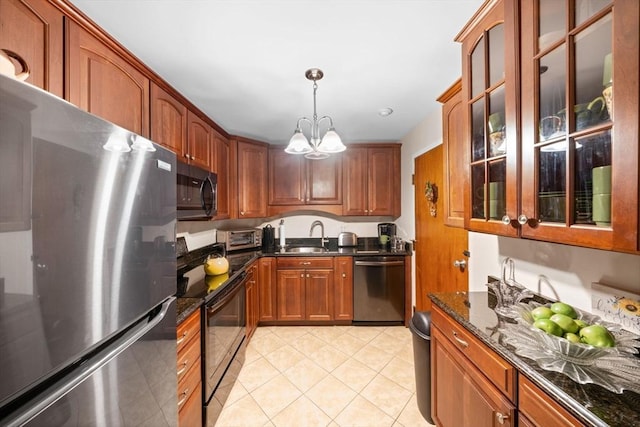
[234, 240]
[224, 323]
[378, 289]
[196, 193]
[347, 239]
[87, 314]
[386, 233]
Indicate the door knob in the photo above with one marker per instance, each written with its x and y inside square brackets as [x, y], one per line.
[501, 417]
[460, 263]
[522, 219]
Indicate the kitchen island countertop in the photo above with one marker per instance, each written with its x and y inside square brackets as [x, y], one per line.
[590, 403]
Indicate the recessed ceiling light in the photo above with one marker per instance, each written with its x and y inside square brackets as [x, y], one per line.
[384, 112]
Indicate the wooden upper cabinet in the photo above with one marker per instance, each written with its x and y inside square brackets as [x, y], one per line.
[100, 81]
[576, 187]
[490, 114]
[251, 178]
[222, 148]
[294, 180]
[371, 180]
[33, 29]
[199, 146]
[168, 120]
[454, 156]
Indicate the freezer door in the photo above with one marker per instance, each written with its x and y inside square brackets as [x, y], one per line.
[129, 383]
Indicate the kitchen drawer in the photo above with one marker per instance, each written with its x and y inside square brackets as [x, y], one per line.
[188, 356]
[305, 262]
[189, 383]
[540, 409]
[496, 369]
[188, 329]
[190, 411]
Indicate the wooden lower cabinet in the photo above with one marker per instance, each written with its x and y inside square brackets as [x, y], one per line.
[253, 309]
[343, 288]
[471, 385]
[189, 371]
[267, 289]
[537, 409]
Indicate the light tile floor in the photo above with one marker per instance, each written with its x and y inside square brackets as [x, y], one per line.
[336, 376]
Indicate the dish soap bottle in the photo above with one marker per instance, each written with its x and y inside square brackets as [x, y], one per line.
[281, 232]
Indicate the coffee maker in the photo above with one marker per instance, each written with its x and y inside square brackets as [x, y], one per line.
[386, 233]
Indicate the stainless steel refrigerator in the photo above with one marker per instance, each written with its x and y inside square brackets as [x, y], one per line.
[87, 268]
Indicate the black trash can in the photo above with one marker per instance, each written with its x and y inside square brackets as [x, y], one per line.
[420, 327]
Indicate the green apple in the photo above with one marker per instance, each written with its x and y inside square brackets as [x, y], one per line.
[549, 326]
[572, 337]
[541, 312]
[581, 323]
[597, 336]
[562, 308]
[565, 322]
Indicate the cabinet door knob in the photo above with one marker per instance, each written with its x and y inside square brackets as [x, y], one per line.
[344, 275]
[241, 212]
[501, 417]
[186, 155]
[506, 220]
[302, 275]
[522, 219]
[307, 276]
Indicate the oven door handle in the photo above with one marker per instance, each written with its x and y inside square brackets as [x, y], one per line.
[379, 263]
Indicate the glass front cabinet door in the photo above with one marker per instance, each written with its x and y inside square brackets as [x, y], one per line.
[489, 96]
[579, 122]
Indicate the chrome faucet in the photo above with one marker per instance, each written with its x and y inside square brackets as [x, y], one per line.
[322, 238]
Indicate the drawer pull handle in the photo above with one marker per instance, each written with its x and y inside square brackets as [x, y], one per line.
[501, 417]
[184, 367]
[183, 396]
[305, 263]
[462, 342]
[183, 337]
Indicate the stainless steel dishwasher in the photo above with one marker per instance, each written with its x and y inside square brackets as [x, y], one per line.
[378, 289]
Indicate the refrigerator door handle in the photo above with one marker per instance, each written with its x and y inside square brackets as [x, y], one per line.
[88, 367]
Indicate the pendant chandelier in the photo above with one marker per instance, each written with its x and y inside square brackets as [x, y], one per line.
[315, 147]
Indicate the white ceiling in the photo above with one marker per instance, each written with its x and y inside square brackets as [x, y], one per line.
[242, 62]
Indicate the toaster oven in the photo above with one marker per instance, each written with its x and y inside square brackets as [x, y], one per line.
[235, 240]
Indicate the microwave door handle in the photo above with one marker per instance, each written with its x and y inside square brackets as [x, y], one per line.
[207, 209]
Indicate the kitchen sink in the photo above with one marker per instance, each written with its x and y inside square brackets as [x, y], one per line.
[306, 249]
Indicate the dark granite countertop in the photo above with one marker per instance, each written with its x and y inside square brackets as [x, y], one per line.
[186, 306]
[592, 404]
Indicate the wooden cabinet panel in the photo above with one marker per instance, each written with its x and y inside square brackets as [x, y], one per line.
[199, 147]
[371, 184]
[222, 148]
[190, 388]
[324, 181]
[540, 409]
[287, 181]
[290, 294]
[457, 383]
[188, 330]
[189, 371]
[34, 30]
[252, 179]
[168, 121]
[101, 82]
[267, 288]
[497, 370]
[253, 310]
[305, 262]
[188, 357]
[455, 156]
[343, 294]
[319, 294]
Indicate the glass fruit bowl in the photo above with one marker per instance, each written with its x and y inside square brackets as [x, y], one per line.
[615, 368]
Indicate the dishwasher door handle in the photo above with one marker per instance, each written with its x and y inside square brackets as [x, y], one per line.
[379, 263]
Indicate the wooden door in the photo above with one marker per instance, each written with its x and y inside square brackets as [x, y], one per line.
[168, 121]
[101, 82]
[383, 180]
[221, 145]
[290, 294]
[199, 150]
[437, 245]
[324, 181]
[286, 178]
[343, 294]
[319, 294]
[267, 288]
[355, 181]
[252, 180]
[33, 29]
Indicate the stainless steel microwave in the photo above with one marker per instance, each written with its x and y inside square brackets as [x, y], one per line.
[197, 195]
[240, 239]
